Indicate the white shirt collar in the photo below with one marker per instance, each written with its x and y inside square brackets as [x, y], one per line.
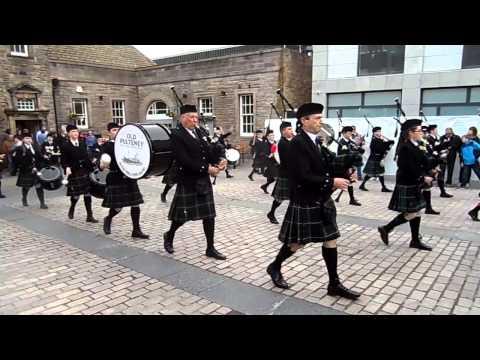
[414, 142]
[344, 138]
[313, 137]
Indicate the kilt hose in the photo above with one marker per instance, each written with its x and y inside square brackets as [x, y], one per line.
[122, 194]
[281, 190]
[188, 205]
[407, 199]
[309, 223]
[78, 183]
[374, 168]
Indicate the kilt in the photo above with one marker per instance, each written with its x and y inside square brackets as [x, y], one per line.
[309, 223]
[259, 162]
[271, 170]
[27, 179]
[281, 190]
[407, 199]
[122, 194]
[188, 205]
[171, 177]
[78, 183]
[374, 168]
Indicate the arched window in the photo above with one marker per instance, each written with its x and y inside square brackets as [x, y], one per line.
[158, 108]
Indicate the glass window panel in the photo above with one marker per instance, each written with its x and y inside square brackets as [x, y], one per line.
[430, 110]
[475, 94]
[352, 99]
[387, 111]
[78, 108]
[382, 97]
[459, 110]
[381, 59]
[471, 56]
[438, 96]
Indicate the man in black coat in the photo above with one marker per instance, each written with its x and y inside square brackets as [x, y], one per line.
[193, 199]
[78, 166]
[379, 147]
[311, 214]
[281, 190]
[455, 143]
[29, 160]
[260, 152]
[120, 191]
[347, 146]
[414, 166]
[436, 146]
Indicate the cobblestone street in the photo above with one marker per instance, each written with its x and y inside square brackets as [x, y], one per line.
[52, 265]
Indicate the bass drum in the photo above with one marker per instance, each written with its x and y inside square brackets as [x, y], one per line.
[232, 156]
[98, 183]
[51, 177]
[143, 150]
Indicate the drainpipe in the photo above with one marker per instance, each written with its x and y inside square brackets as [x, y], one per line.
[54, 86]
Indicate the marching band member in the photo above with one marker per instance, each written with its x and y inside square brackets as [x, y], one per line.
[28, 161]
[435, 147]
[77, 165]
[346, 146]
[414, 166]
[193, 198]
[311, 214]
[219, 137]
[50, 150]
[281, 190]
[379, 148]
[259, 152]
[271, 168]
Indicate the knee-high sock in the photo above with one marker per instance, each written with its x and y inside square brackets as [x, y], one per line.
[275, 205]
[174, 226]
[25, 191]
[73, 202]
[441, 185]
[166, 189]
[253, 171]
[398, 220]
[135, 215]
[350, 192]
[113, 212]
[427, 195]
[283, 254]
[209, 229]
[330, 257]
[41, 195]
[382, 181]
[365, 179]
[87, 200]
[415, 228]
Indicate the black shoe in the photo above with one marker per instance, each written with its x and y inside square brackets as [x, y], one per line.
[272, 218]
[473, 215]
[419, 245]
[43, 206]
[355, 203]
[383, 234]
[70, 213]
[168, 243]
[91, 219]
[361, 187]
[2, 196]
[277, 277]
[229, 176]
[163, 197]
[139, 234]
[264, 188]
[215, 254]
[250, 177]
[432, 212]
[107, 225]
[386, 190]
[339, 290]
[445, 195]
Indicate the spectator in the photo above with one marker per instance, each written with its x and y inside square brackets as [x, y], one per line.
[41, 136]
[470, 153]
[454, 148]
[4, 136]
[90, 140]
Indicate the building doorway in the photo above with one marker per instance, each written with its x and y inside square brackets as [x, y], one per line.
[32, 125]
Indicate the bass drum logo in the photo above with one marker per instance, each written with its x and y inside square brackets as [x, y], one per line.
[132, 151]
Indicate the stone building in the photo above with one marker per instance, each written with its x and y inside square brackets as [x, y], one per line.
[94, 84]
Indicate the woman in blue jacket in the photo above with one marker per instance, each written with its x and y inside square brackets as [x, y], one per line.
[469, 158]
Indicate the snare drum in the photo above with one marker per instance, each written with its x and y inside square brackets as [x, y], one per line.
[232, 156]
[50, 177]
[98, 182]
[143, 150]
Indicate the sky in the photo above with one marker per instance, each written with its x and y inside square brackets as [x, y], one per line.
[160, 51]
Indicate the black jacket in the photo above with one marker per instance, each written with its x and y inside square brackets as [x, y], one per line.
[191, 155]
[454, 144]
[283, 150]
[75, 158]
[347, 147]
[379, 148]
[310, 170]
[413, 164]
[25, 161]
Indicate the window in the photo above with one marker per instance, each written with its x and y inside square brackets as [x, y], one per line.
[471, 56]
[118, 112]
[26, 105]
[19, 50]
[79, 108]
[158, 108]
[206, 106]
[247, 115]
[372, 104]
[380, 59]
[451, 101]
